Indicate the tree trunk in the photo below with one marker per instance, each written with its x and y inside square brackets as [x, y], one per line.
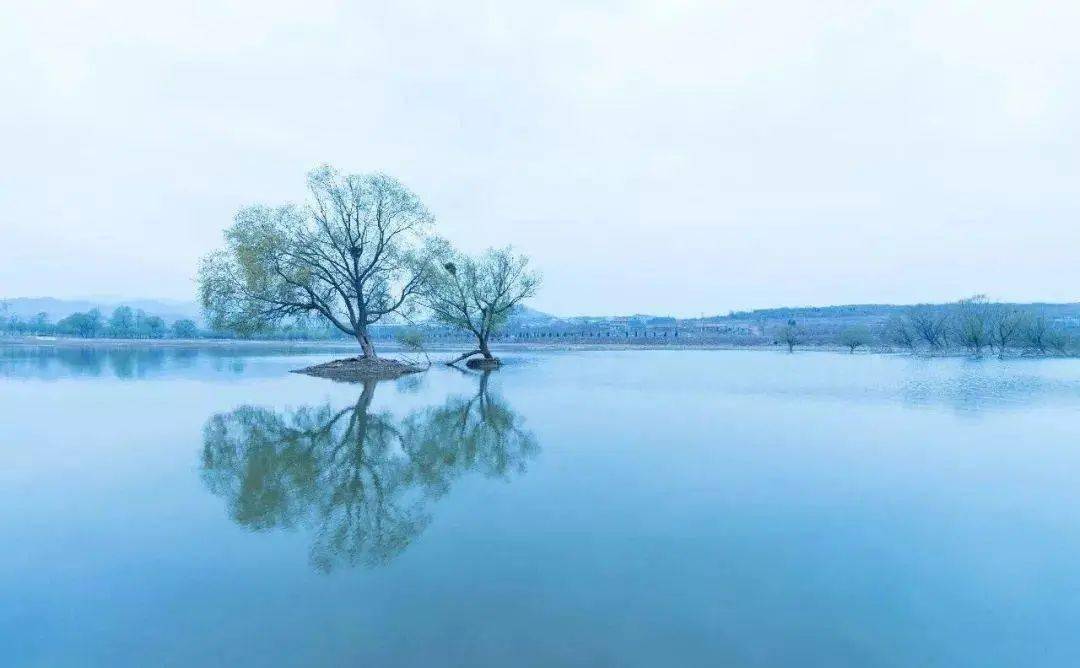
[461, 357]
[484, 350]
[365, 344]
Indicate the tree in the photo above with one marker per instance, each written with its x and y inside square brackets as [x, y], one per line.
[39, 324]
[149, 326]
[82, 324]
[791, 335]
[354, 254]
[1007, 325]
[930, 324]
[122, 322]
[479, 294]
[1037, 334]
[898, 331]
[1059, 341]
[185, 329]
[972, 323]
[855, 336]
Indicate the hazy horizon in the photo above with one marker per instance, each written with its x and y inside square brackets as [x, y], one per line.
[148, 303]
[682, 158]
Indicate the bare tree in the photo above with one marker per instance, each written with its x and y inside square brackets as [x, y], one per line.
[899, 332]
[855, 336]
[354, 254]
[1037, 334]
[792, 335]
[1059, 341]
[972, 323]
[930, 324]
[478, 294]
[1007, 325]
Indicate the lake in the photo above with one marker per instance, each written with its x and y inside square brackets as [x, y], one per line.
[205, 507]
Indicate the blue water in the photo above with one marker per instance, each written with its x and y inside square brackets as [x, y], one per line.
[204, 507]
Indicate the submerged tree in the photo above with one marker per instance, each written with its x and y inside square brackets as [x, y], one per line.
[1007, 324]
[972, 323]
[478, 295]
[899, 332]
[930, 324]
[357, 252]
[1038, 334]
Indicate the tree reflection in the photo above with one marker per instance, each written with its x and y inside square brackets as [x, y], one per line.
[361, 481]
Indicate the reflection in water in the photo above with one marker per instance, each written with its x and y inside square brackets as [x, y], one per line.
[135, 361]
[123, 362]
[361, 481]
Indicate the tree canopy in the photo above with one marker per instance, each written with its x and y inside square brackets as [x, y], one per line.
[357, 251]
[479, 294]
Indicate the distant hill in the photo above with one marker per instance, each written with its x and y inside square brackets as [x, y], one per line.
[524, 314]
[877, 312]
[168, 310]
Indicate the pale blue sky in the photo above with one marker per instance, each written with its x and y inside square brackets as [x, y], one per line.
[677, 157]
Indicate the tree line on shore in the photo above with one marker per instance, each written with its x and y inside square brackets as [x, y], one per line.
[971, 325]
[124, 323]
[974, 325]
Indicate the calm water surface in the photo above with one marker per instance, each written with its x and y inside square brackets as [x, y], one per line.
[204, 507]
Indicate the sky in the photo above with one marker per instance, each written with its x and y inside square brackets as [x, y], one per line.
[651, 157]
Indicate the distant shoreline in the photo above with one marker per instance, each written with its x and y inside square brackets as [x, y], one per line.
[391, 347]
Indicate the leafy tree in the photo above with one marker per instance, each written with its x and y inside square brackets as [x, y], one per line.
[122, 323]
[413, 341]
[855, 336]
[356, 253]
[149, 326]
[39, 324]
[479, 294]
[185, 329]
[82, 324]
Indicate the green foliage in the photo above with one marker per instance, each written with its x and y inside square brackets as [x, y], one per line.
[478, 294]
[856, 336]
[122, 323]
[82, 324]
[355, 253]
[410, 339]
[185, 329]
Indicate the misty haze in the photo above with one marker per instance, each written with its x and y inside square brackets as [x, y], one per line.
[575, 334]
